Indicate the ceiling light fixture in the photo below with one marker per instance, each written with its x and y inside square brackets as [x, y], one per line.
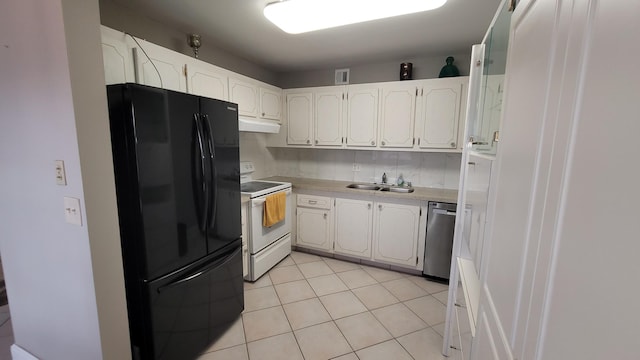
[299, 16]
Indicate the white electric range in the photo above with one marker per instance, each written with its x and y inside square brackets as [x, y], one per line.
[266, 245]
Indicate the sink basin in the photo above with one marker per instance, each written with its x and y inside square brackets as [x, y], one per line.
[398, 189]
[363, 186]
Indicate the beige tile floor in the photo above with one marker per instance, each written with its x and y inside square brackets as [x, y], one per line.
[310, 307]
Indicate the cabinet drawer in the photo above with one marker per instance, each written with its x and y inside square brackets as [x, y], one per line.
[311, 201]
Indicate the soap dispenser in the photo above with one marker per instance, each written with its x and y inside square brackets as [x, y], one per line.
[384, 178]
[400, 180]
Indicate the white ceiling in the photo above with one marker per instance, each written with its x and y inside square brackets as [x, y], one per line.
[239, 27]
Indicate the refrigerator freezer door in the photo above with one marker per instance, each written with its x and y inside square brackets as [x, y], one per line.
[220, 121]
[158, 179]
[192, 308]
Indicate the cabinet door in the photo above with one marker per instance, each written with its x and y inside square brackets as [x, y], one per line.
[328, 117]
[354, 220]
[270, 104]
[118, 65]
[245, 95]
[440, 114]
[396, 234]
[362, 116]
[300, 115]
[160, 67]
[398, 114]
[206, 80]
[314, 228]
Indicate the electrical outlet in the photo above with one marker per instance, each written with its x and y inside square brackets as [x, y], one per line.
[356, 167]
[72, 213]
[61, 177]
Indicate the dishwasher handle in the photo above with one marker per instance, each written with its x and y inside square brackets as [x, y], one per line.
[444, 212]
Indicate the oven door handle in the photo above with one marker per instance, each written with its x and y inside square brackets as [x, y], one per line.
[260, 201]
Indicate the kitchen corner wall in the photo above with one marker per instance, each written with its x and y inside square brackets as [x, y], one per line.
[434, 170]
[253, 148]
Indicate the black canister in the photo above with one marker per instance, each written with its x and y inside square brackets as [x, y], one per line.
[406, 70]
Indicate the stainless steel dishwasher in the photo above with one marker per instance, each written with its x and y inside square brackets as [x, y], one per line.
[441, 220]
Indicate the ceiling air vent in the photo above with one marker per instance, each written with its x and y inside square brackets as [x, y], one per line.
[342, 76]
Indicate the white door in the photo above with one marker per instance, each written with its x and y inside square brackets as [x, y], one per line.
[440, 114]
[160, 67]
[396, 234]
[300, 116]
[314, 228]
[398, 114]
[116, 55]
[328, 117]
[353, 219]
[245, 95]
[206, 80]
[270, 104]
[362, 115]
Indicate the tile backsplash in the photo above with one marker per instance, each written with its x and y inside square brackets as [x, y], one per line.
[435, 170]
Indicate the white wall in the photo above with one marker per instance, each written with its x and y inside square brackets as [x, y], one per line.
[435, 170]
[51, 279]
[253, 148]
[424, 67]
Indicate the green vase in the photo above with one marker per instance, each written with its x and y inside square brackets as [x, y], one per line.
[449, 70]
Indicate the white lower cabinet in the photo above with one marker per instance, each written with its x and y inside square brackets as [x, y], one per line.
[314, 222]
[396, 229]
[354, 220]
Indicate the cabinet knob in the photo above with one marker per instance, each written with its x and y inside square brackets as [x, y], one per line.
[368, 206]
[379, 206]
[262, 114]
[316, 142]
[308, 141]
[325, 216]
[383, 143]
[453, 144]
[373, 143]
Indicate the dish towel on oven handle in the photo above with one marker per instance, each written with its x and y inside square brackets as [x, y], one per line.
[274, 209]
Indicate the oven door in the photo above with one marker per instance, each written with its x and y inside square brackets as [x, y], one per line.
[260, 237]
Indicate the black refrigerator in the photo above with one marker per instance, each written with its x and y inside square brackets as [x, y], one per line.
[177, 172]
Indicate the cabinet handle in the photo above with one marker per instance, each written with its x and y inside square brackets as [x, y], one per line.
[368, 206]
[316, 142]
[453, 144]
[373, 143]
[262, 114]
[379, 206]
[418, 141]
[325, 216]
[383, 143]
[308, 141]
[313, 202]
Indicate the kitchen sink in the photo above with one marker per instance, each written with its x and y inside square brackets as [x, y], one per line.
[363, 186]
[375, 187]
[398, 189]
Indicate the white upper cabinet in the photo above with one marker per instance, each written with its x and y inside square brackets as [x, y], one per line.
[328, 116]
[245, 95]
[204, 79]
[160, 67]
[362, 115]
[396, 234]
[116, 55]
[440, 113]
[354, 219]
[300, 114]
[270, 103]
[398, 114]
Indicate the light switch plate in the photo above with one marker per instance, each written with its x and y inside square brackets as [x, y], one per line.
[61, 177]
[72, 213]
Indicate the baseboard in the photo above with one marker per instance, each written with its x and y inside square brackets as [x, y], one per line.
[18, 353]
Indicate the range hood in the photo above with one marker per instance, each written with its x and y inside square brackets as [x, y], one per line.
[259, 126]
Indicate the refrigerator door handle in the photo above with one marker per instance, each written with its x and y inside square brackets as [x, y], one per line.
[216, 264]
[213, 193]
[203, 194]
